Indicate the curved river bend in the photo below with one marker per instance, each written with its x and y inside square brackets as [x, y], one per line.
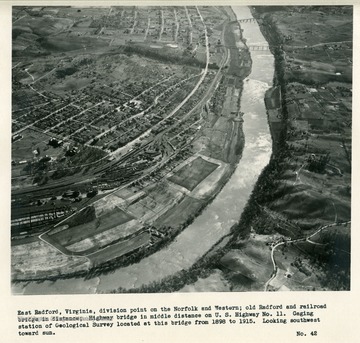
[225, 210]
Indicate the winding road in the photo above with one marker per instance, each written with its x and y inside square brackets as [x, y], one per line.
[305, 239]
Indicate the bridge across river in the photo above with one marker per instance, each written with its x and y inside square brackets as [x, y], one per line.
[247, 20]
[258, 47]
[252, 47]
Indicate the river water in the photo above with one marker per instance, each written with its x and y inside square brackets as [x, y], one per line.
[225, 210]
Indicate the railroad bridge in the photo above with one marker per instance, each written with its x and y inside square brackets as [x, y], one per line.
[247, 20]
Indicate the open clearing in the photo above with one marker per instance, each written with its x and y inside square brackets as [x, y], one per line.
[104, 238]
[120, 249]
[32, 139]
[180, 214]
[190, 175]
[39, 259]
[105, 222]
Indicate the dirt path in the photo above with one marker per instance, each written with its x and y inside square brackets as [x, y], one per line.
[177, 26]
[147, 29]
[190, 24]
[162, 24]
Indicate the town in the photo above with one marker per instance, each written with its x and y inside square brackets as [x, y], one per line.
[125, 123]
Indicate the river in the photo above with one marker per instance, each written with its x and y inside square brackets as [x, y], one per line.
[225, 210]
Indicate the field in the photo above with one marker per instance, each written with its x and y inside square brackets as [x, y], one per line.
[248, 267]
[120, 249]
[24, 148]
[104, 238]
[105, 222]
[32, 261]
[155, 202]
[190, 175]
[180, 214]
[213, 283]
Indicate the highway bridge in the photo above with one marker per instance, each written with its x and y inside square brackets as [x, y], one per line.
[247, 20]
[252, 47]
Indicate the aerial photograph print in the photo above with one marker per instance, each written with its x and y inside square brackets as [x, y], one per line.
[159, 149]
